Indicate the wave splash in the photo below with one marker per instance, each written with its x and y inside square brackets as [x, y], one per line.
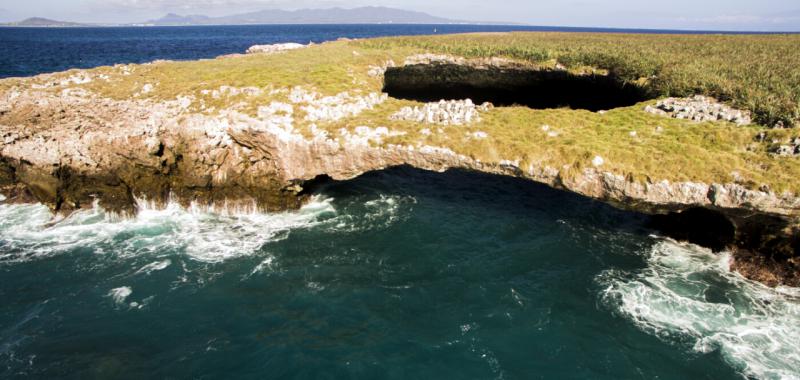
[687, 295]
[28, 232]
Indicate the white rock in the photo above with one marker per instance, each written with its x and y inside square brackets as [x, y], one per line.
[184, 102]
[229, 91]
[333, 108]
[698, 108]
[479, 135]
[363, 135]
[453, 112]
[274, 48]
[376, 71]
[598, 161]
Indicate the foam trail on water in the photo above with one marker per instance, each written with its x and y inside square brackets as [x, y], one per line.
[155, 266]
[28, 232]
[687, 295]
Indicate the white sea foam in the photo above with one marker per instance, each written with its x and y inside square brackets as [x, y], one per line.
[687, 295]
[119, 295]
[28, 231]
[262, 266]
[378, 213]
[155, 266]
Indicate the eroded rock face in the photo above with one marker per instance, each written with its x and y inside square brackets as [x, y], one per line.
[138, 146]
[67, 149]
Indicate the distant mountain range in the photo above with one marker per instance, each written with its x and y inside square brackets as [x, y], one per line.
[363, 15]
[43, 22]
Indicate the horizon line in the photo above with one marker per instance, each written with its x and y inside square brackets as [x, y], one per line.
[600, 29]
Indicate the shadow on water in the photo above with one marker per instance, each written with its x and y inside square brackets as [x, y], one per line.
[519, 196]
[704, 227]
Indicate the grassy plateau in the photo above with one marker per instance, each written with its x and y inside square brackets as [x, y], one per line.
[759, 73]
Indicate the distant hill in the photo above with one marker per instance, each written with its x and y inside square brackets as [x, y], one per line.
[363, 15]
[175, 19]
[42, 22]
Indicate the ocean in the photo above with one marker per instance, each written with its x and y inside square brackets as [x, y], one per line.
[31, 51]
[397, 274]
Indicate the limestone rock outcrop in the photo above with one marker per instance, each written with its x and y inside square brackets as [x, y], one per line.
[788, 148]
[699, 108]
[444, 112]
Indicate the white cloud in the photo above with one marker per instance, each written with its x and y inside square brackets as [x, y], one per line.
[231, 6]
[156, 4]
[743, 19]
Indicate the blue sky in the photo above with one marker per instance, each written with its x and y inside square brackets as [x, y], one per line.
[768, 15]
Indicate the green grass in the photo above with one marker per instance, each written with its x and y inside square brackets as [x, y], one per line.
[759, 73]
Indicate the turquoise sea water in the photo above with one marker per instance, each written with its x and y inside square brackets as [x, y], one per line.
[401, 274]
[398, 274]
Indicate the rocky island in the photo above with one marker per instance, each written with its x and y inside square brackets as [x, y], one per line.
[676, 127]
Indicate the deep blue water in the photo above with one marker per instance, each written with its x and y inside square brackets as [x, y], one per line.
[397, 274]
[30, 51]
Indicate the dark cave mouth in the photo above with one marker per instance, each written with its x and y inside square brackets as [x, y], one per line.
[704, 227]
[504, 87]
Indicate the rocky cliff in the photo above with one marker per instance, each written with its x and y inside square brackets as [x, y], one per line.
[67, 146]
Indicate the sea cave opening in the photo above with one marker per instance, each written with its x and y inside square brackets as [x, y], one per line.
[701, 226]
[510, 86]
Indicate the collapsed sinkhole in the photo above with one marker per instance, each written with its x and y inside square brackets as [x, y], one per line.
[510, 86]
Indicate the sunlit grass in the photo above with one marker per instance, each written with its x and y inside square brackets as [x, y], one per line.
[759, 73]
[756, 72]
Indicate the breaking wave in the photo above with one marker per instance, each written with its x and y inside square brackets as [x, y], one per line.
[28, 231]
[686, 295]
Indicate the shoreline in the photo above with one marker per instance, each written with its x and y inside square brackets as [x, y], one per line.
[67, 144]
